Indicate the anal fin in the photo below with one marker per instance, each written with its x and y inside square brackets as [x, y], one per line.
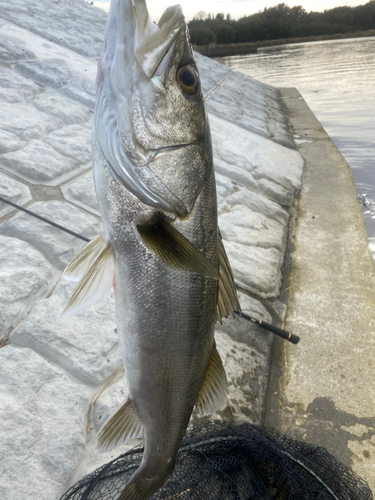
[123, 425]
[213, 393]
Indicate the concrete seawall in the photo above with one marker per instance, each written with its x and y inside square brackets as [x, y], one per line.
[322, 390]
[47, 93]
[227, 50]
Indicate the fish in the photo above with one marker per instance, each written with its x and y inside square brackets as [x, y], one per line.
[161, 248]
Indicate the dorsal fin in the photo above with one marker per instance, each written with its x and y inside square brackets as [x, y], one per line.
[227, 300]
[98, 267]
[213, 393]
[123, 425]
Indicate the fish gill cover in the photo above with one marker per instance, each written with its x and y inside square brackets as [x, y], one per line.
[222, 461]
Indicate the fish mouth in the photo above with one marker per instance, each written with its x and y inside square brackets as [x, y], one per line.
[156, 41]
[139, 49]
[150, 44]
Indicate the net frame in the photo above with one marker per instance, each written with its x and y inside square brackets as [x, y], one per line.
[221, 461]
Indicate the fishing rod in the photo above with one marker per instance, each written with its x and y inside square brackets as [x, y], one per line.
[44, 219]
[294, 339]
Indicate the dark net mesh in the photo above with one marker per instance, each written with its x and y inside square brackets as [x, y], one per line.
[221, 461]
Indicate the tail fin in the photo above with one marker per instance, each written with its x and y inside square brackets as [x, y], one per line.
[132, 492]
[143, 485]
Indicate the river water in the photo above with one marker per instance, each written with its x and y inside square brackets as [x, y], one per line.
[337, 80]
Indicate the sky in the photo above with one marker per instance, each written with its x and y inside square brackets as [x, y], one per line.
[236, 8]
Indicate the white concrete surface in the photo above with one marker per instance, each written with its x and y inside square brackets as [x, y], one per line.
[47, 72]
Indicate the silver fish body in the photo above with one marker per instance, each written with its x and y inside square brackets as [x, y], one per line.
[165, 321]
[152, 158]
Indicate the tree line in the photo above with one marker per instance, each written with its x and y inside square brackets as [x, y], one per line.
[278, 22]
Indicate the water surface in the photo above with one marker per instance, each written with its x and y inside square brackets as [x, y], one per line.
[337, 80]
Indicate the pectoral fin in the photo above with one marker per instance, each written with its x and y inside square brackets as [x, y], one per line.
[227, 300]
[96, 264]
[82, 262]
[213, 394]
[122, 426]
[170, 246]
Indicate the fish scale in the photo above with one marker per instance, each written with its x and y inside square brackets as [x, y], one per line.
[173, 341]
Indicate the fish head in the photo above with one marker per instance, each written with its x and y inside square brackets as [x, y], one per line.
[150, 120]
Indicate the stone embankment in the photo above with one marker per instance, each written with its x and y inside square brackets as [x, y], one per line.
[224, 50]
[235, 49]
[51, 372]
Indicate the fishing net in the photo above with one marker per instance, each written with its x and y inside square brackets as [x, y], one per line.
[221, 461]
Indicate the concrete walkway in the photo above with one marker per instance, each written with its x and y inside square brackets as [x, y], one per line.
[323, 389]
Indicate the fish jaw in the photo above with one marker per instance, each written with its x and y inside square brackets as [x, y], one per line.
[142, 117]
[156, 47]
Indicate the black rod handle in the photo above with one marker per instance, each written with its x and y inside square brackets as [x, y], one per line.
[294, 339]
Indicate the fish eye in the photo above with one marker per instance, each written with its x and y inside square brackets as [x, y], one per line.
[188, 79]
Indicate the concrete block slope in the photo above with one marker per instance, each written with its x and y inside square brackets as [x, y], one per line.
[82, 32]
[47, 90]
[42, 412]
